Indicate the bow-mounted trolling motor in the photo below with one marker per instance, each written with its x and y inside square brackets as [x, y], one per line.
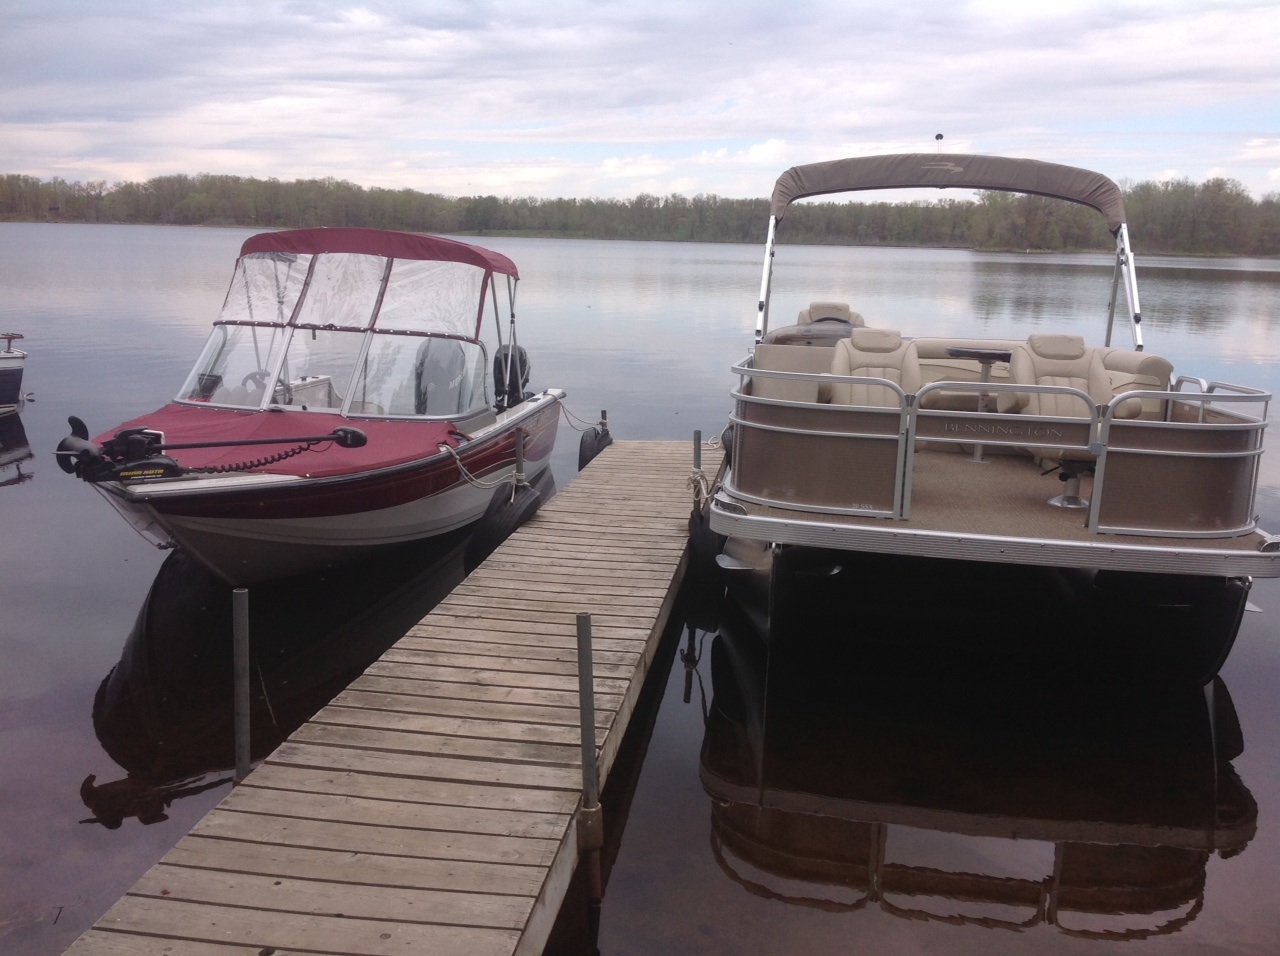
[135, 453]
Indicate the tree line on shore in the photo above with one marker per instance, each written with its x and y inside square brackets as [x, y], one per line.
[1216, 217]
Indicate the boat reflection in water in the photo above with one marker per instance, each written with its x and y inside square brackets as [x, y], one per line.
[165, 712]
[932, 786]
[15, 451]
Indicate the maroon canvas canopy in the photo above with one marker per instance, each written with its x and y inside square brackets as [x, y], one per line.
[954, 170]
[379, 242]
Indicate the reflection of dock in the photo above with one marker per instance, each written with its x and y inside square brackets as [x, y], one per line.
[430, 807]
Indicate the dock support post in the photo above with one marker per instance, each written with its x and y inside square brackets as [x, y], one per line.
[520, 479]
[697, 449]
[240, 645]
[590, 820]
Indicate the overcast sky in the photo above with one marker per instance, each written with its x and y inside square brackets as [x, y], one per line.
[612, 99]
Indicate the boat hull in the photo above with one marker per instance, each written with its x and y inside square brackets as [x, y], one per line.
[247, 530]
[11, 364]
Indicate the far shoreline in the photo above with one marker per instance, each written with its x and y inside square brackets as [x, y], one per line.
[514, 234]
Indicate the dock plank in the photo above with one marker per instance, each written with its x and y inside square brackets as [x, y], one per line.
[381, 839]
[312, 863]
[452, 726]
[326, 898]
[408, 790]
[285, 930]
[430, 806]
[416, 703]
[394, 813]
[397, 740]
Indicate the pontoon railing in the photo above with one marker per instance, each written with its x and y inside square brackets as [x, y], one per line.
[1190, 472]
[859, 445]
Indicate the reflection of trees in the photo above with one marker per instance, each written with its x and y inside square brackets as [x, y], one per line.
[1216, 216]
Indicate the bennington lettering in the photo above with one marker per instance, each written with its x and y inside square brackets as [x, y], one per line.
[1016, 431]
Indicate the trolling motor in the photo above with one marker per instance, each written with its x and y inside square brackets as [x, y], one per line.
[138, 452]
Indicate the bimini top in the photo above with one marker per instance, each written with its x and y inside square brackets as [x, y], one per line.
[956, 170]
[379, 242]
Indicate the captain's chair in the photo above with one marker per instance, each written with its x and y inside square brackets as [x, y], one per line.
[1066, 362]
[438, 373]
[874, 353]
[829, 312]
[823, 323]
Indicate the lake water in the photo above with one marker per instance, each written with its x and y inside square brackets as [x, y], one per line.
[894, 791]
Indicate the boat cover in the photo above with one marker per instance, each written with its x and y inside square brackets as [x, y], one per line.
[379, 242]
[951, 170]
[391, 442]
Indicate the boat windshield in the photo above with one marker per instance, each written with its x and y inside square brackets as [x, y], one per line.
[347, 332]
[398, 374]
[235, 365]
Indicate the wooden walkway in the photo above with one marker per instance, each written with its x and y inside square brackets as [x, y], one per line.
[430, 807]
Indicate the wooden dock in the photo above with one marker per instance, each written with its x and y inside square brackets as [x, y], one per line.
[430, 807]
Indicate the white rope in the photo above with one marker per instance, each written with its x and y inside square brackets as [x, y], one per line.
[698, 481]
[570, 418]
[699, 484]
[472, 479]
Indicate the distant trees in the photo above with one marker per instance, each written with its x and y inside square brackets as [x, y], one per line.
[1178, 216]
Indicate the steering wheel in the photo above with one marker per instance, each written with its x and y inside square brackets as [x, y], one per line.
[259, 379]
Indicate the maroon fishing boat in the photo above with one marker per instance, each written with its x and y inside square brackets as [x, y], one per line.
[350, 397]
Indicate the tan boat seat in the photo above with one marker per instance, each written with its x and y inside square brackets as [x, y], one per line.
[822, 311]
[1066, 362]
[874, 353]
[1130, 371]
[1060, 360]
[813, 360]
[823, 323]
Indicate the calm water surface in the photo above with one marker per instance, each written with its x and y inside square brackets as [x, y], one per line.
[869, 768]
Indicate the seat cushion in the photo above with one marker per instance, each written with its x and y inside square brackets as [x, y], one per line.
[874, 353]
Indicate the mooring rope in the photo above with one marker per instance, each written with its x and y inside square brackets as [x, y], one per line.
[698, 481]
[699, 484]
[570, 418]
[472, 479]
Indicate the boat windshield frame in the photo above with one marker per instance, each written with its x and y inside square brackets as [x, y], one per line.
[378, 285]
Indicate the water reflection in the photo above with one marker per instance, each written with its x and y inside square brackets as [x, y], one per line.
[916, 781]
[15, 451]
[165, 713]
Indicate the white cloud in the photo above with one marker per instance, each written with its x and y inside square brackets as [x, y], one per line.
[557, 98]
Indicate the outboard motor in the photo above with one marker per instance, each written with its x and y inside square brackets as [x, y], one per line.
[506, 393]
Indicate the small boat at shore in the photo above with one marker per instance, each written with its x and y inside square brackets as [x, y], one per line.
[846, 437]
[12, 362]
[350, 397]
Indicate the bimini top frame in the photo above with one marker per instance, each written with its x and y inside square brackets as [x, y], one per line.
[960, 171]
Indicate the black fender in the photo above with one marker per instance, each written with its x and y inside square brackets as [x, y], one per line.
[507, 511]
[593, 441]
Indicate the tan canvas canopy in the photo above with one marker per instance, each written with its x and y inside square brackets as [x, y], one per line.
[954, 170]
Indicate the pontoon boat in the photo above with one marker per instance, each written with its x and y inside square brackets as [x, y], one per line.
[855, 438]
